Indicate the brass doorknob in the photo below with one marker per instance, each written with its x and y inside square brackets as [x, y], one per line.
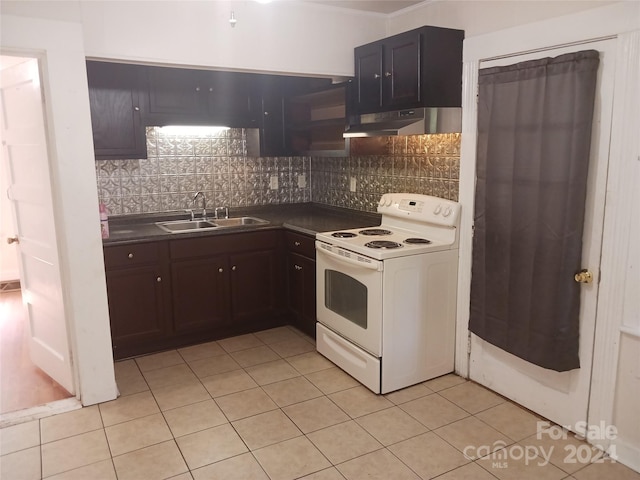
[11, 240]
[584, 276]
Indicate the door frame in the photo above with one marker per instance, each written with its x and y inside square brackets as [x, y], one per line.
[567, 30]
[59, 47]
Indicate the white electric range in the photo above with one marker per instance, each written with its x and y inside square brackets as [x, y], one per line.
[386, 295]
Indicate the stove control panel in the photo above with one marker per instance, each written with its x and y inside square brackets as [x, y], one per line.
[421, 208]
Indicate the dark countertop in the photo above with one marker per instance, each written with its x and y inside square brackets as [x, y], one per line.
[306, 218]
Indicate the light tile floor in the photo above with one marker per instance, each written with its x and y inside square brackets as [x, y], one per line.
[267, 406]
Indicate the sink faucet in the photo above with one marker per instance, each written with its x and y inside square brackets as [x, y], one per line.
[224, 209]
[204, 203]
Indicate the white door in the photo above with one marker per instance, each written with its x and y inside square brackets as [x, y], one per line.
[25, 159]
[561, 397]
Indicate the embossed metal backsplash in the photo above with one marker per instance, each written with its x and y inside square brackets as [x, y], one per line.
[426, 164]
[218, 165]
[177, 166]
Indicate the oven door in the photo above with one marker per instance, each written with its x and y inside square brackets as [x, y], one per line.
[349, 296]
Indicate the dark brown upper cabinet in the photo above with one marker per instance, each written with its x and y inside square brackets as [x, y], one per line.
[199, 97]
[418, 68]
[117, 102]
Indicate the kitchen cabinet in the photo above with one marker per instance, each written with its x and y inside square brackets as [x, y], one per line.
[316, 121]
[226, 283]
[117, 103]
[301, 279]
[200, 97]
[418, 68]
[139, 293]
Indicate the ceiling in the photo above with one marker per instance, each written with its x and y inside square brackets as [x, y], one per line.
[377, 6]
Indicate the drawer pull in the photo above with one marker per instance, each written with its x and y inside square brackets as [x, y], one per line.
[130, 255]
[159, 279]
[297, 244]
[233, 268]
[298, 267]
[221, 270]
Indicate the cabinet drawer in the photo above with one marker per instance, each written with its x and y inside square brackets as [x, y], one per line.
[207, 246]
[302, 244]
[130, 255]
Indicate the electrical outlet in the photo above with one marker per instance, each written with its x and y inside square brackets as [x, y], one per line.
[273, 182]
[352, 184]
[302, 181]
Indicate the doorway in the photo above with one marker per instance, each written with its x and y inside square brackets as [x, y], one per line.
[24, 321]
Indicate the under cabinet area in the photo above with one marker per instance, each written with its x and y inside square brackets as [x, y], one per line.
[301, 279]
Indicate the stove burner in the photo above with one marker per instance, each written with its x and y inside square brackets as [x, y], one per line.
[343, 235]
[385, 244]
[375, 231]
[417, 241]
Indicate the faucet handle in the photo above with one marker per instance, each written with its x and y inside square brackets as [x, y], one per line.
[190, 211]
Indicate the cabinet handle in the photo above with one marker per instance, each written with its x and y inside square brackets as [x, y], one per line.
[387, 74]
[297, 244]
[211, 89]
[266, 114]
[221, 270]
[137, 109]
[197, 89]
[298, 267]
[376, 76]
[159, 279]
[130, 255]
[233, 268]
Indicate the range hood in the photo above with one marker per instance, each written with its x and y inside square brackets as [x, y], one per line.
[414, 121]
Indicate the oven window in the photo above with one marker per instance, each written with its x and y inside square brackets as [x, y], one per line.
[346, 296]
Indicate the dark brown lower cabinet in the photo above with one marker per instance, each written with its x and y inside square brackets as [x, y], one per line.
[139, 292]
[301, 276]
[200, 294]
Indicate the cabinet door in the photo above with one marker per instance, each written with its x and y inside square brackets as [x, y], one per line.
[176, 93]
[254, 285]
[138, 304]
[401, 76]
[200, 294]
[116, 104]
[302, 292]
[231, 99]
[368, 68]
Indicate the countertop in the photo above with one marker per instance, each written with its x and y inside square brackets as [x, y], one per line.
[306, 218]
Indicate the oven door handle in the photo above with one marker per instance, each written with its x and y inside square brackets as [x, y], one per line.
[375, 265]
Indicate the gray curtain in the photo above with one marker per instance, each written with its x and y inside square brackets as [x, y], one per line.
[534, 135]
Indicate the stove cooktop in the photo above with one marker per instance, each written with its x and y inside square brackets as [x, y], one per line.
[412, 224]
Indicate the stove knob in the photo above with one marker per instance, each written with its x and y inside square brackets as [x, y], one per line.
[389, 200]
[382, 201]
[437, 210]
[447, 212]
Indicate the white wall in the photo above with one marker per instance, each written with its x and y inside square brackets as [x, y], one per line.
[75, 199]
[478, 17]
[281, 37]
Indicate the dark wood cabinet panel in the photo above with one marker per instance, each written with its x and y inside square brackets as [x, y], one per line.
[175, 93]
[418, 68]
[231, 99]
[139, 294]
[301, 272]
[254, 285]
[301, 280]
[200, 294]
[117, 103]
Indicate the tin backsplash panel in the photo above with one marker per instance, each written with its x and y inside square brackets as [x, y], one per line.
[178, 166]
[217, 164]
[426, 164]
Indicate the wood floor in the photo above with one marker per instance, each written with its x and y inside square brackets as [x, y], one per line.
[23, 385]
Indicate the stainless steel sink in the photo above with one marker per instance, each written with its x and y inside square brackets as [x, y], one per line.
[239, 222]
[184, 226]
